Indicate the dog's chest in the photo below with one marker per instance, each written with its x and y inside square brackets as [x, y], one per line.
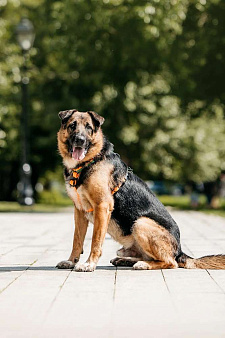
[78, 197]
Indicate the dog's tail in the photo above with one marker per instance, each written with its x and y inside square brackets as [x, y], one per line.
[216, 262]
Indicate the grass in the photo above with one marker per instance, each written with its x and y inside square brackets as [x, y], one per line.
[42, 208]
[183, 203]
[179, 202]
[176, 202]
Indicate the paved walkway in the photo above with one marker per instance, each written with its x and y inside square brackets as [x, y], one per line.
[37, 300]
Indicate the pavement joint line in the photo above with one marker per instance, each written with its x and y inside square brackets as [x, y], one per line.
[15, 248]
[164, 278]
[6, 253]
[170, 295]
[7, 286]
[22, 245]
[223, 291]
[114, 287]
[57, 294]
[61, 286]
[186, 246]
[207, 221]
[202, 235]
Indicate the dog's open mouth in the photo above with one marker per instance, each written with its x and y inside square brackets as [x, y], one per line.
[78, 153]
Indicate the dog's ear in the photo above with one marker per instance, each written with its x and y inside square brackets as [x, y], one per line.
[66, 114]
[97, 119]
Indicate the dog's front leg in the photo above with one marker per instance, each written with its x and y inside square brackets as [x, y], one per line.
[102, 213]
[81, 224]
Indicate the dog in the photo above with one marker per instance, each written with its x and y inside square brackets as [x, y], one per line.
[107, 193]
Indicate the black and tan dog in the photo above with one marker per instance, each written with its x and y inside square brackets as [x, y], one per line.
[105, 192]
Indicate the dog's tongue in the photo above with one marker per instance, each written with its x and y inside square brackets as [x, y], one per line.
[78, 153]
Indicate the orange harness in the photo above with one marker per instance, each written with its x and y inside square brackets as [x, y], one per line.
[76, 172]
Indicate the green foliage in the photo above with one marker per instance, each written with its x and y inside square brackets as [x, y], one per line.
[15, 207]
[153, 69]
[54, 197]
[183, 203]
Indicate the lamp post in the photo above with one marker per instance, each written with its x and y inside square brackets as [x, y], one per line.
[25, 37]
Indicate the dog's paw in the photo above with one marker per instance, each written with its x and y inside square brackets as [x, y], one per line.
[85, 267]
[141, 265]
[115, 261]
[65, 265]
[118, 261]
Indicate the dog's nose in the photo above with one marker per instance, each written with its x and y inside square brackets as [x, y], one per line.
[79, 140]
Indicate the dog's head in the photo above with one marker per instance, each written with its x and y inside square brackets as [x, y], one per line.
[80, 136]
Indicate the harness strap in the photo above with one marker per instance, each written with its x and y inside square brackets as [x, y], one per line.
[77, 171]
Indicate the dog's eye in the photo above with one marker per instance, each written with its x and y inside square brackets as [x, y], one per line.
[73, 125]
[88, 128]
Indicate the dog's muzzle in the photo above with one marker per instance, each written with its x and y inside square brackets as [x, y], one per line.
[78, 147]
[79, 141]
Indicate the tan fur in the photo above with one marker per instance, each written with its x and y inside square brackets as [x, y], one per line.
[216, 262]
[98, 186]
[131, 251]
[79, 197]
[156, 245]
[62, 137]
[98, 143]
[81, 224]
[116, 233]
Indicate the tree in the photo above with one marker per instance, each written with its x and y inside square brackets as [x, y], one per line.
[154, 70]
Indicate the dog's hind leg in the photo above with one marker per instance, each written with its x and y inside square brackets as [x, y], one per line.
[129, 252]
[155, 242]
[124, 261]
[127, 256]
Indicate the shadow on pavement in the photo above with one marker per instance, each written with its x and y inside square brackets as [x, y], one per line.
[43, 268]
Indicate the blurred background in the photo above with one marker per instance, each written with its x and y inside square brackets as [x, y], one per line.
[154, 69]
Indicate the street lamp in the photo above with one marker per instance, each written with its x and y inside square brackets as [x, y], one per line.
[25, 37]
[25, 34]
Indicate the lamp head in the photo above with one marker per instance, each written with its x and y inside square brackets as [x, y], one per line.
[25, 34]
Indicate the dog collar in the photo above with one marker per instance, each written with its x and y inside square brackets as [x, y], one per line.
[76, 172]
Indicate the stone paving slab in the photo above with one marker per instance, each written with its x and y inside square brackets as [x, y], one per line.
[38, 300]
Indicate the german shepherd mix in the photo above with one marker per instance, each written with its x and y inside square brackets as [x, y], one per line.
[107, 193]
